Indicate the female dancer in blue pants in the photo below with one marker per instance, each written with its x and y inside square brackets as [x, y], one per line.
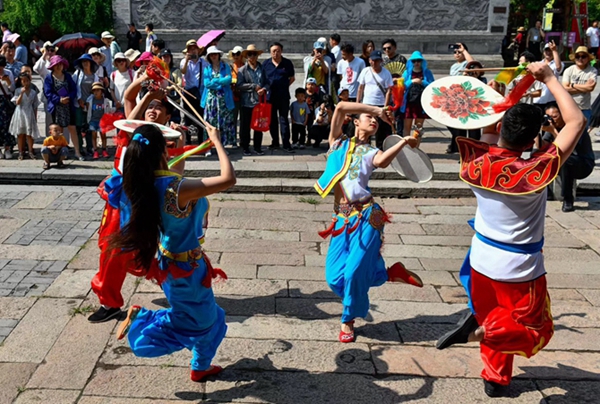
[354, 262]
[167, 217]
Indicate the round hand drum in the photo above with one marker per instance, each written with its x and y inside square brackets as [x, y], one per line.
[461, 102]
[130, 125]
[413, 164]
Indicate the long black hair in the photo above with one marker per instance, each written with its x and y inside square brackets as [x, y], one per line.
[141, 235]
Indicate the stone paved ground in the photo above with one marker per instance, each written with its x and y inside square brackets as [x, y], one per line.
[283, 321]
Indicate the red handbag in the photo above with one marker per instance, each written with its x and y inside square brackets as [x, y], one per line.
[261, 115]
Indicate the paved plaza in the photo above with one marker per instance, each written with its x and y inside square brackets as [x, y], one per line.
[281, 346]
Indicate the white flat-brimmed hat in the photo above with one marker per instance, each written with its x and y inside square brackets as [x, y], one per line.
[107, 35]
[236, 49]
[93, 51]
[213, 49]
[120, 56]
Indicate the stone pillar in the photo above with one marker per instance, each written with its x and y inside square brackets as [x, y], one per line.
[498, 16]
[121, 18]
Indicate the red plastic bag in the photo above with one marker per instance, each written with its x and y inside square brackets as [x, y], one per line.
[261, 115]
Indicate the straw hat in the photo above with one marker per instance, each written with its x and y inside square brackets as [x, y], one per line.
[93, 51]
[97, 86]
[132, 54]
[191, 42]
[581, 49]
[251, 48]
[521, 29]
[236, 49]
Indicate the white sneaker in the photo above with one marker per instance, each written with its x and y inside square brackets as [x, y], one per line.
[8, 154]
[208, 153]
[296, 146]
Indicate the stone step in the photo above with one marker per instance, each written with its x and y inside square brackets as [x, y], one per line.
[388, 185]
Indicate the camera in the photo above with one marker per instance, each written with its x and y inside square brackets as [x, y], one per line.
[547, 121]
[452, 47]
[193, 57]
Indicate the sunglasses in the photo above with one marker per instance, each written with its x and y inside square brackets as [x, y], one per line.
[417, 61]
[51, 49]
[236, 53]
[319, 50]
[581, 57]
[457, 52]
[387, 48]
[121, 60]
[252, 54]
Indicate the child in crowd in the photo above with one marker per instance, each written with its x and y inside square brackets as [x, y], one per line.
[323, 114]
[299, 113]
[55, 148]
[97, 106]
[24, 120]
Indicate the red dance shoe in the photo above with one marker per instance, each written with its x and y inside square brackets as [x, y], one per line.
[398, 273]
[346, 337]
[201, 375]
[126, 324]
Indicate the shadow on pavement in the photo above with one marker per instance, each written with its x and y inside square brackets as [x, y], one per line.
[251, 379]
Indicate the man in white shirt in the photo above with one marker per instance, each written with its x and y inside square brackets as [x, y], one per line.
[580, 81]
[348, 70]
[593, 35]
[191, 67]
[552, 59]
[375, 88]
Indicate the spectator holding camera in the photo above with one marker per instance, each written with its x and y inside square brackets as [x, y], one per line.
[191, 69]
[580, 163]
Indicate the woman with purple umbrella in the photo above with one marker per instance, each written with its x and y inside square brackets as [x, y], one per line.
[61, 92]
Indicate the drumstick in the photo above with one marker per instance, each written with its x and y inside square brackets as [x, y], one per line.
[192, 108]
[488, 69]
[179, 87]
[184, 112]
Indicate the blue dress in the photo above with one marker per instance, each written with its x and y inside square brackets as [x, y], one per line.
[194, 321]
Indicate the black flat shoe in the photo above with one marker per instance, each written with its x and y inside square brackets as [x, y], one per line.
[493, 389]
[102, 314]
[459, 335]
[568, 206]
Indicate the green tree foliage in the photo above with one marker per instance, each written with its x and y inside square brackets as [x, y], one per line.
[63, 16]
[593, 10]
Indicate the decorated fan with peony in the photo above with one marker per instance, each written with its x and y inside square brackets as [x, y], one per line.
[461, 102]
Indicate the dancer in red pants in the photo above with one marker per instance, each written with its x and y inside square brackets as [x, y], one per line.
[508, 278]
[113, 265]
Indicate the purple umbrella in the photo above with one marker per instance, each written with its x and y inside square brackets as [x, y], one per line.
[210, 36]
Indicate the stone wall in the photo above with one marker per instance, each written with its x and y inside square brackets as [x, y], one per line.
[425, 25]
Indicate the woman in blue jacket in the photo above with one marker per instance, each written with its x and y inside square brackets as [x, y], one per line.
[416, 77]
[217, 97]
